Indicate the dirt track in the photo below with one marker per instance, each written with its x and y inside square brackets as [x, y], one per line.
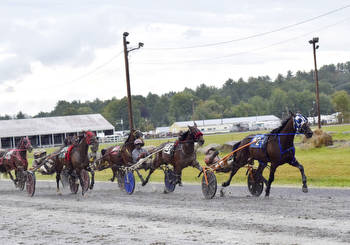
[109, 216]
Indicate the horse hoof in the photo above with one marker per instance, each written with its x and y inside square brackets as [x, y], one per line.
[144, 183]
[59, 193]
[305, 190]
[222, 193]
[224, 184]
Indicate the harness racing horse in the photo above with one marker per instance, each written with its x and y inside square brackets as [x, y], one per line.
[278, 149]
[115, 157]
[184, 154]
[16, 159]
[76, 160]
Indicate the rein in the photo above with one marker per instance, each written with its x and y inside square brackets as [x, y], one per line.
[292, 148]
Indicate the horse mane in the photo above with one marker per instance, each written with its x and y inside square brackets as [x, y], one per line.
[127, 139]
[184, 135]
[81, 137]
[283, 124]
[19, 143]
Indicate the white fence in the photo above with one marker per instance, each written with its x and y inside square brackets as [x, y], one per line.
[111, 139]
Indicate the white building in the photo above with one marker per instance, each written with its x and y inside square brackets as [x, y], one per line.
[51, 131]
[325, 119]
[224, 125]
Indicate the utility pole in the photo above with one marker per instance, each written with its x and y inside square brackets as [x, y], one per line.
[313, 42]
[126, 52]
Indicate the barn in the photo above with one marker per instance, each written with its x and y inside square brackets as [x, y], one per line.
[225, 125]
[51, 131]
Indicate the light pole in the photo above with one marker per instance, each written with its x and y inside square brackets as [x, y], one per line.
[314, 46]
[126, 52]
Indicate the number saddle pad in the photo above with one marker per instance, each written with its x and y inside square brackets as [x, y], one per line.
[261, 141]
[168, 148]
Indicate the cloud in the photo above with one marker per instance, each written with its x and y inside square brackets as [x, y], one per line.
[10, 89]
[191, 33]
[13, 68]
[45, 45]
[54, 36]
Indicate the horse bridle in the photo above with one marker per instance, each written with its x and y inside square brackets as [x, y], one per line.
[88, 136]
[27, 145]
[195, 137]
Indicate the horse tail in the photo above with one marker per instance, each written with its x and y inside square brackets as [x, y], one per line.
[103, 151]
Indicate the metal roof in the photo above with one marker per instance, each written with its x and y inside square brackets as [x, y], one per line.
[233, 120]
[53, 125]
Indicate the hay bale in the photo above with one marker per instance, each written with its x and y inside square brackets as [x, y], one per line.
[318, 139]
[204, 149]
[227, 147]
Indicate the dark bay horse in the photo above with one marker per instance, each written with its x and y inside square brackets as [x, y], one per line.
[117, 156]
[15, 159]
[278, 149]
[184, 154]
[77, 159]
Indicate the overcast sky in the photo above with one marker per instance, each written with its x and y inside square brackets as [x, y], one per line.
[72, 50]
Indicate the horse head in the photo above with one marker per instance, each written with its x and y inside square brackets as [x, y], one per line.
[25, 144]
[301, 125]
[91, 139]
[137, 134]
[133, 135]
[196, 134]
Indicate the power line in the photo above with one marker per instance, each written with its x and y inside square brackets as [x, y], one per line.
[97, 68]
[90, 72]
[255, 35]
[247, 51]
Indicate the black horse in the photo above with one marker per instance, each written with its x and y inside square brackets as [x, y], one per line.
[276, 147]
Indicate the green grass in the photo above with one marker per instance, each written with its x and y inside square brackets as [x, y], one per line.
[323, 166]
[338, 132]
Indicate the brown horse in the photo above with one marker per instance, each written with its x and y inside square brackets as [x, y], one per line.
[16, 159]
[184, 154]
[77, 159]
[278, 149]
[117, 156]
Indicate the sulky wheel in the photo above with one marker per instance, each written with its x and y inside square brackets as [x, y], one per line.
[74, 186]
[169, 180]
[209, 184]
[129, 182]
[30, 183]
[255, 187]
[120, 178]
[86, 180]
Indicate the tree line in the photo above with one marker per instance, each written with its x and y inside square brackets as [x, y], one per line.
[256, 96]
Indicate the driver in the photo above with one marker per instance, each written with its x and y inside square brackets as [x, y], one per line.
[138, 152]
